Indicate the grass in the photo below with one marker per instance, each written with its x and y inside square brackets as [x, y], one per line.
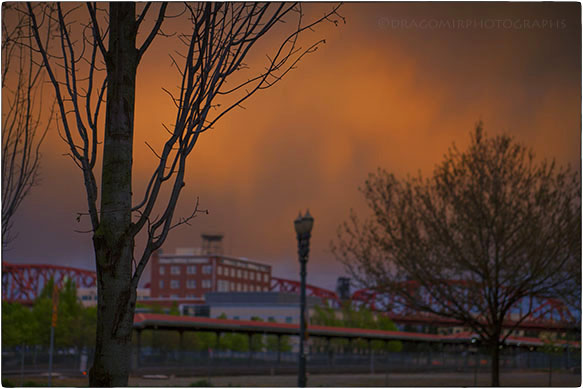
[201, 384]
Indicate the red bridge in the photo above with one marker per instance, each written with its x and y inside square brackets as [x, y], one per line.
[548, 314]
[23, 283]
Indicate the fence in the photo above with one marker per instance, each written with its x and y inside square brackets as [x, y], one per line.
[34, 361]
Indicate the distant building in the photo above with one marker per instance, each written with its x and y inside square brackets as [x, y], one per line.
[279, 307]
[191, 273]
[343, 288]
[88, 296]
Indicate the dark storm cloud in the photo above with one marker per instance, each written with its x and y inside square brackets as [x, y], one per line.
[377, 94]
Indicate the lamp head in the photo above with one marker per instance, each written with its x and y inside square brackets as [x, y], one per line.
[304, 224]
[298, 223]
[308, 222]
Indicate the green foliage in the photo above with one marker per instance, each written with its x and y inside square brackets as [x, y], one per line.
[201, 384]
[10, 384]
[551, 345]
[234, 342]
[174, 309]
[326, 316]
[271, 343]
[256, 339]
[356, 318]
[75, 325]
[153, 307]
[34, 384]
[17, 324]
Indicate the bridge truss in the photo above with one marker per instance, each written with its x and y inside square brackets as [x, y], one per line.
[23, 283]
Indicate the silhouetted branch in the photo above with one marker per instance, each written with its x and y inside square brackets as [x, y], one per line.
[489, 229]
[222, 36]
[23, 115]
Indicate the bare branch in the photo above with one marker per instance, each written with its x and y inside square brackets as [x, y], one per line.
[154, 31]
[490, 229]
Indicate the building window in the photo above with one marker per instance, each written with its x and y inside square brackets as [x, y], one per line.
[232, 286]
[191, 269]
[191, 284]
[265, 277]
[239, 273]
[208, 269]
[175, 270]
[161, 270]
[265, 288]
[206, 284]
[252, 275]
[244, 274]
[223, 286]
[232, 272]
[174, 284]
[161, 284]
[174, 296]
[244, 287]
[220, 270]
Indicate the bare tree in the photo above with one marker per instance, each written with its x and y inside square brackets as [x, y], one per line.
[85, 70]
[22, 115]
[489, 230]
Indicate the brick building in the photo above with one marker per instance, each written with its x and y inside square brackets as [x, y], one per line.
[190, 273]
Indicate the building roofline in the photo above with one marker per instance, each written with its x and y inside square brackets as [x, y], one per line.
[242, 259]
[158, 321]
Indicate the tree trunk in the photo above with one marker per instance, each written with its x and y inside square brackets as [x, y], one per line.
[495, 366]
[113, 241]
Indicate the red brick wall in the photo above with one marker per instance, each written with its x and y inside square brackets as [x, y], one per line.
[183, 277]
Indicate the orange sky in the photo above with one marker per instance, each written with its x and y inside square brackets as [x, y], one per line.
[377, 94]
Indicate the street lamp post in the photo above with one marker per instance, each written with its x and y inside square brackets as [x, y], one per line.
[303, 226]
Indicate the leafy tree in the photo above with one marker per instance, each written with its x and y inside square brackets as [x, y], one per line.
[256, 339]
[490, 229]
[42, 314]
[272, 343]
[174, 309]
[233, 341]
[17, 325]
[31, 326]
[97, 56]
[75, 324]
[356, 318]
[326, 316]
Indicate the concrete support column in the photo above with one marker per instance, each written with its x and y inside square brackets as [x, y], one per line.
[278, 349]
[567, 361]
[138, 348]
[181, 346]
[329, 352]
[429, 345]
[371, 355]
